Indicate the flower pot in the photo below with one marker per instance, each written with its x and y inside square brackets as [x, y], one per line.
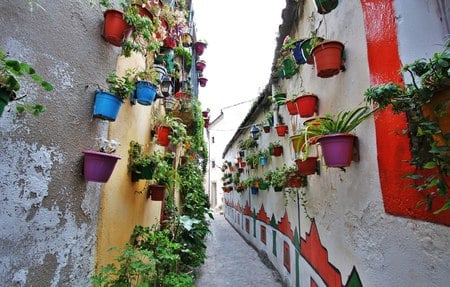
[337, 149]
[106, 106]
[200, 47]
[156, 191]
[303, 48]
[4, 99]
[161, 72]
[308, 166]
[241, 153]
[262, 161]
[206, 122]
[98, 166]
[200, 65]
[282, 130]
[162, 134]
[145, 93]
[298, 142]
[278, 188]
[115, 29]
[240, 169]
[170, 42]
[254, 190]
[182, 96]
[291, 107]
[202, 81]
[169, 103]
[306, 105]
[186, 40]
[440, 98]
[325, 6]
[294, 181]
[242, 164]
[142, 172]
[289, 68]
[263, 185]
[328, 58]
[266, 129]
[277, 150]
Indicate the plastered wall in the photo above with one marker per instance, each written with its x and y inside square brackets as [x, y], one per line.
[352, 240]
[48, 212]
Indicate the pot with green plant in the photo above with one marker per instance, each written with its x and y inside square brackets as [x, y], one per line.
[163, 125]
[252, 158]
[99, 165]
[146, 83]
[426, 102]
[115, 28]
[307, 104]
[290, 105]
[247, 143]
[264, 155]
[279, 98]
[107, 104]
[293, 178]
[281, 128]
[335, 137]
[164, 177]
[141, 163]
[275, 148]
[10, 72]
[277, 178]
[286, 66]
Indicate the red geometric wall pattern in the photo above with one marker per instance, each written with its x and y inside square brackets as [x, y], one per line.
[392, 147]
[285, 226]
[262, 215]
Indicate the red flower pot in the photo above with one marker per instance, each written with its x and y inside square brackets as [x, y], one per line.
[156, 191]
[200, 65]
[337, 149]
[170, 42]
[306, 105]
[114, 27]
[308, 166]
[282, 130]
[277, 150]
[199, 47]
[266, 129]
[98, 166]
[163, 135]
[205, 114]
[294, 181]
[182, 96]
[328, 58]
[202, 81]
[291, 107]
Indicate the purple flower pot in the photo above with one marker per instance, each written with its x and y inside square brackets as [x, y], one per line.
[337, 149]
[98, 166]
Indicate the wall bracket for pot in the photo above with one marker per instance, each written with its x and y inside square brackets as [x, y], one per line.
[355, 156]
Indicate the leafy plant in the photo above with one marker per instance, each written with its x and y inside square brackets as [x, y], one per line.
[276, 177]
[107, 146]
[10, 72]
[343, 122]
[248, 143]
[252, 158]
[429, 145]
[123, 86]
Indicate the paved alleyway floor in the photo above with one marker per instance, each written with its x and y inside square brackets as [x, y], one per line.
[232, 262]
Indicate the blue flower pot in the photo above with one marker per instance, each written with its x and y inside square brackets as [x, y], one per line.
[254, 190]
[106, 106]
[262, 161]
[299, 56]
[145, 93]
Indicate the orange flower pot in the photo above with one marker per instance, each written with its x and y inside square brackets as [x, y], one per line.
[328, 58]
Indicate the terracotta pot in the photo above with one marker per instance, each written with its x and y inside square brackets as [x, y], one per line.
[307, 105]
[170, 42]
[202, 81]
[291, 107]
[328, 58]
[277, 151]
[200, 65]
[156, 191]
[182, 96]
[163, 135]
[308, 166]
[200, 47]
[294, 181]
[337, 149]
[282, 130]
[266, 129]
[443, 118]
[115, 29]
[297, 142]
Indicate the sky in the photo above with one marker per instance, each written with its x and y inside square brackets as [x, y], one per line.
[241, 36]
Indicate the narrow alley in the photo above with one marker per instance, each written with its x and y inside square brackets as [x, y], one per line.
[231, 261]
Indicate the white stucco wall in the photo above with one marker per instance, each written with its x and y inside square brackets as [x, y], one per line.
[347, 205]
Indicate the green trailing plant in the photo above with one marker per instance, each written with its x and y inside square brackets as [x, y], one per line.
[11, 70]
[185, 55]
[139, 159]
[252, 158]
[429, 144]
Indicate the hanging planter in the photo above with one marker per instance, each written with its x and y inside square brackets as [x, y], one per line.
[156, 191]
[298, 142]
[276, 150]
[202, 81]
[162, 134]
[308, 166]
[282, 130]
[262, 161]
[186, 40]
[294, 181]
[266, 129]
[106, 106]
[325, 6]
[263, 185]
[170, 42]
[98, 166]
[302, 50]
[254, 190]
[200, 65]
[115, 29]
[291, 107]
[288, 68]
[144, 171]
[145, 92]
[169, 103]
[307, 105]
[328, 58]
[337, 149]
[200, 47]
